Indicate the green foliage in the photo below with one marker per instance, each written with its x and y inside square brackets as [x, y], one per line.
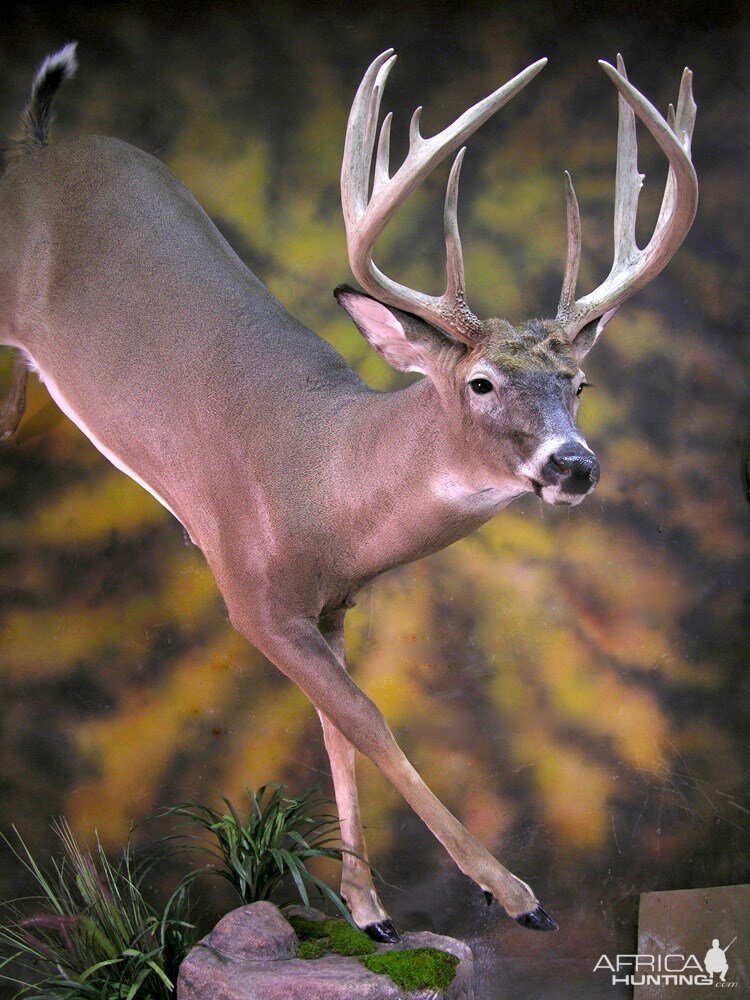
[415, 968]
[331, 935]
[312, 949]
[91, 933]
[278, 838]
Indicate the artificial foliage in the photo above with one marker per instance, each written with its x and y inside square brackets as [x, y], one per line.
[89, 932]
[270, 847]
[312, 949]
[415, 968]
[410, 968]
[317, 937]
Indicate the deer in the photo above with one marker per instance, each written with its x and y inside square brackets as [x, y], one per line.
[298, 482]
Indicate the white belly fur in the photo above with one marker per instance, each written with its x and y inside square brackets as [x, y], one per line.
[68, 410]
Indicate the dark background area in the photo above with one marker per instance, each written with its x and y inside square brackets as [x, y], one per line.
[572, 683]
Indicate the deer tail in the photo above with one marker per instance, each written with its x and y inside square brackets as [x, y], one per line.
[35, 121]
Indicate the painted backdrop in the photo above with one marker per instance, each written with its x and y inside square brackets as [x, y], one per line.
[573, 683]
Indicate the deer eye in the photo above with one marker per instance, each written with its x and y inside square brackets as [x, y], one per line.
[581, 387]
[481, 386]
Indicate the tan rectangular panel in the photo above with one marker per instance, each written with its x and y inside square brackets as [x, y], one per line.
[692, 943]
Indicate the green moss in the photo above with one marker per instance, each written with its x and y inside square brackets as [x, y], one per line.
[348, 940]
[415, 968]
[309, 930]
[331, 935]
[313, 948]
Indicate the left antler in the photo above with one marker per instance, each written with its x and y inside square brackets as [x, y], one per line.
[633, 268]
[367, 214]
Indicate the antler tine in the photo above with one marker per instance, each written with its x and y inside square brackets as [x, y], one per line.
[383, 156]
[633, 268]
[454, 256]
[628, 181]
[366, 218]
[573, 261]
[682, 123]
[360, 137]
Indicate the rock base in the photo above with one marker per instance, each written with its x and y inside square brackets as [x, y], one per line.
[249, 956]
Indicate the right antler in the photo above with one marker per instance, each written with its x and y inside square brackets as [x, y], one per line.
[367, 214]
[633, 268]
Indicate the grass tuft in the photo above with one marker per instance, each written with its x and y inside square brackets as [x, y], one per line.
[277, 838]
[415, 968]
[88, 932]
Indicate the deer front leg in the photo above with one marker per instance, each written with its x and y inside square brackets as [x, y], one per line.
[14, 404]
[300, 651]
[357, 886]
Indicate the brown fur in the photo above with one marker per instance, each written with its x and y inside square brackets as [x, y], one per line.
[538, 345]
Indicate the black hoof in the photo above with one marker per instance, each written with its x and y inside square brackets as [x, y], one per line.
[488, 897]
[383, 931]
[537, 920]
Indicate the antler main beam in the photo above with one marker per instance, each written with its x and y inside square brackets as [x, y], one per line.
[633, 268]
[366, 213]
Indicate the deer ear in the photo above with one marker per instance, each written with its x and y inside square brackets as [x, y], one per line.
[589, 335]
[384, 330]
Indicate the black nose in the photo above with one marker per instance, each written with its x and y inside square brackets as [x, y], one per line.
[573, 467]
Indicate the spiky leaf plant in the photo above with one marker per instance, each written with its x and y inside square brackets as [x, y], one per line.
[278, 837]
[88, 933]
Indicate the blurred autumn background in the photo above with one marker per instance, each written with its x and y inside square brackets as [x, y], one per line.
[571, 683]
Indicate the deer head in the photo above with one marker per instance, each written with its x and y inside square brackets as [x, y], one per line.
[513, 390]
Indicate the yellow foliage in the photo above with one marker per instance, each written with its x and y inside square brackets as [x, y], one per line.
[92, 509]
[575, 792]
[228, 177]
[40, 643]
[263, 742]
[131, 749]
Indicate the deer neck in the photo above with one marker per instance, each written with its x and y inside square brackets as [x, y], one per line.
[411, 485]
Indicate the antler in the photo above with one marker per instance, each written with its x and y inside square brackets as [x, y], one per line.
[633, 268]
[366, 213]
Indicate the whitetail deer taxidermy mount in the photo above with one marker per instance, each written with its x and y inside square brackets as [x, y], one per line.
[298, 482]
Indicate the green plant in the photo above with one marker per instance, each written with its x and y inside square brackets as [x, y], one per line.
[415, 968]
[278, 837]
[331, 935]
[91, 935]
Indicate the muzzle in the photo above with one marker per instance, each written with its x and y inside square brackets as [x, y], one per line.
[573, 468]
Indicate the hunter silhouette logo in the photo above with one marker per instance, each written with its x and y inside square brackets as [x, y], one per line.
[715, 961]
[673, 969]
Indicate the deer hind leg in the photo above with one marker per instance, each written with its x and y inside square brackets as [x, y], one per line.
[357, 886]
[298, 648]
[14, 403]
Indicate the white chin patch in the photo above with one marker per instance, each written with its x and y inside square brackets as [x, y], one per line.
[553, 495]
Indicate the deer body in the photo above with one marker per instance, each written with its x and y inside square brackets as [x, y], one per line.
[317, 438]
[298, 482]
